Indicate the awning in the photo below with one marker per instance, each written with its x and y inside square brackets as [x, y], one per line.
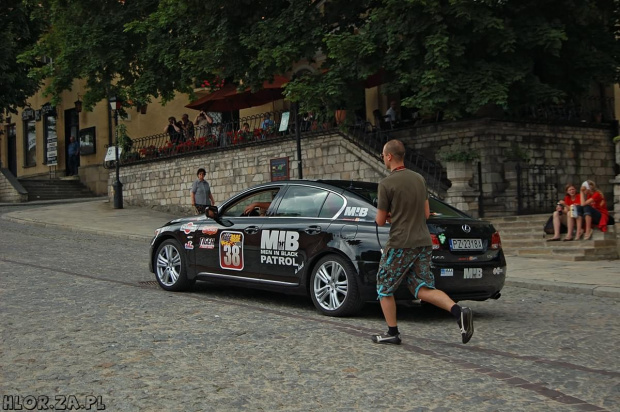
[228, 98]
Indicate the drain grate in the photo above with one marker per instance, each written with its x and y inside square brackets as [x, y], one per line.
[148, 283]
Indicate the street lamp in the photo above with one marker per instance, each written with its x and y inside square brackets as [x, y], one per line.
[295, 113]
[115, 105]
[78, 105]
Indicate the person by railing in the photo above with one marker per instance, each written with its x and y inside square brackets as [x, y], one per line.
[174, 130]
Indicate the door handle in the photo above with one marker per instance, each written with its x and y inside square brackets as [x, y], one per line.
[313, 230]
[250, 230]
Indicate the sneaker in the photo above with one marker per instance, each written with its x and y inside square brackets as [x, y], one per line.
[466, 322]
[385, 338]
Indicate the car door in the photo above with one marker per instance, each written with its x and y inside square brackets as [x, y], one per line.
[234, 252]
[293, 233]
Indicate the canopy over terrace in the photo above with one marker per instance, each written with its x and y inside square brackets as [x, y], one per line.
[228, 98]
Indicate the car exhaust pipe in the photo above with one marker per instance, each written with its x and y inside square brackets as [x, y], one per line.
[496, 296]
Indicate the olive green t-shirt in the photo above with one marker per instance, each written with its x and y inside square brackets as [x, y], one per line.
[403, 194]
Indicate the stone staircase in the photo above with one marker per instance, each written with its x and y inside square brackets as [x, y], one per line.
[55, 189]
[524, 236]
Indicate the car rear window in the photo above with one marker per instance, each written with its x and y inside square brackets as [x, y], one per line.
[440, 210]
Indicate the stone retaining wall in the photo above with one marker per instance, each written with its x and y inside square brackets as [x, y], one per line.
[165, 184]
[578, 152]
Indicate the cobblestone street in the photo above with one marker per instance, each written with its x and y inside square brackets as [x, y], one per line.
[81, 315]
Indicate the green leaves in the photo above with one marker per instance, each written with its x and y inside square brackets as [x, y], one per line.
[450, 56]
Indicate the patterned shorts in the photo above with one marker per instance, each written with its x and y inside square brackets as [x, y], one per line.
[397, 264]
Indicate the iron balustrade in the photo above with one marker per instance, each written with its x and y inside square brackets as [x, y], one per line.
[537, 189]
[252, 130]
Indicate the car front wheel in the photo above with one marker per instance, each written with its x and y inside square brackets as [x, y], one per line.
[170, 267]
[333, 287]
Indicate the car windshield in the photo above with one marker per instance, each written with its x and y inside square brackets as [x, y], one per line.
[368, 191]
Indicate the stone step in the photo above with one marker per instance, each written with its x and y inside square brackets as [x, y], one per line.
[520, 225]
[524, 236]
[540, 242]
[54, 189]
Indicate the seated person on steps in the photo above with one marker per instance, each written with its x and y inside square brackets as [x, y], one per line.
[568, 212]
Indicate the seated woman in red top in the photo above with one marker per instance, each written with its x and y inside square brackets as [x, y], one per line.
[570, 216]
[594, 208]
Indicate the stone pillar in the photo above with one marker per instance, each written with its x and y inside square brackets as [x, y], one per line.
[511, 193]
[461, 194]
[616, 199]
[616, 183]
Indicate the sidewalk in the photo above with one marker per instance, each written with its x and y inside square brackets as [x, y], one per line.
[600, 278]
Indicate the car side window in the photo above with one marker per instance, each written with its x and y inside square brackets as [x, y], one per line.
[301, 201]
[332, 205]
[238, 208]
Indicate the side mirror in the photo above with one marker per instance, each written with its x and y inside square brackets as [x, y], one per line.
[212, 213]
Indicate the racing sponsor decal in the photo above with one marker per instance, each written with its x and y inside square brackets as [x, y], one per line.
[498, 271]
[231, 250]
[207, 243]
[468, 258]
[189, 245]
[356, 211]
[447, 272]
[209, 230]
[472, 273]
[280, 247]
[189, 228]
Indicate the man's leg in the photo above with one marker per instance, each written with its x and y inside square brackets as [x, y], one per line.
[436, 297]
[464, 316]
[389, 277]
[388, 306]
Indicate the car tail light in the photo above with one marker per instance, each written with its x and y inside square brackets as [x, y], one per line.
[435, 240]
[496, 241]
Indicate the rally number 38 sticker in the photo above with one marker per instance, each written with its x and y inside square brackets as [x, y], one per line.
[231, 250]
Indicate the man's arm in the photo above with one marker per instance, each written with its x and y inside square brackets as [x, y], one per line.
[211, 198]
[427, 209]
[382, 217]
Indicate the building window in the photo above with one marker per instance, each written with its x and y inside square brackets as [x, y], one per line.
[30, 143]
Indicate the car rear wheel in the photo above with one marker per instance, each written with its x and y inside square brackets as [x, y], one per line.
[334, 288]
[170, 267]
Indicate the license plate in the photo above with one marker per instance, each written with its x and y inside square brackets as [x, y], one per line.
[465, 244]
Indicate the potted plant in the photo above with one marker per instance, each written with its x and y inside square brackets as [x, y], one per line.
[459, 165]
[516, 154]
[124, 141]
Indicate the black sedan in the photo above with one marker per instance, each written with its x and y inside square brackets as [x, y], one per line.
[319, 238]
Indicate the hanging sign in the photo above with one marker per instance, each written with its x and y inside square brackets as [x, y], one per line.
[110, 156]
[28, 114]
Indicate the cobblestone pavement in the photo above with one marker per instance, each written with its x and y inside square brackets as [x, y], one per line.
[81, 316]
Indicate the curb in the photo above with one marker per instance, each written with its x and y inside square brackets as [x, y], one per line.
[565, 287]
[74, 229]
[55, 202]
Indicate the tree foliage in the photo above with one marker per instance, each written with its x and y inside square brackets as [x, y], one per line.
[18, 31]
[454, 56]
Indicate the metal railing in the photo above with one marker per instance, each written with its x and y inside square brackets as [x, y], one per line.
[254, 130]
[371, 140]
[246, 131]
[537, 188]
[589, 109]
